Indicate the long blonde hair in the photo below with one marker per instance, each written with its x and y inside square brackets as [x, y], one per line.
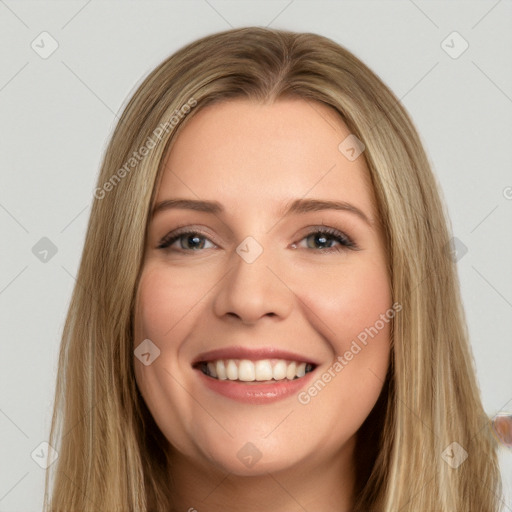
[112, 455]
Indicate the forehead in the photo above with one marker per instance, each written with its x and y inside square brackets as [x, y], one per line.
[249, 154]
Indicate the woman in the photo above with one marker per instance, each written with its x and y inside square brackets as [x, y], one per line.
[267, 315]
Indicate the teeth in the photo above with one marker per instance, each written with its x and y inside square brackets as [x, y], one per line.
[211, 369]
[262, 369]
[246, 371]
[250, 371]
[220, 368]
[232, 370]
[301, 370]
[279, 371]
[290, 371]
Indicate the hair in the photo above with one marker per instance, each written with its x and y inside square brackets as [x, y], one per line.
[112, 455]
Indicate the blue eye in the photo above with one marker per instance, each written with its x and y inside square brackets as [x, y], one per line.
[326, 238]
[189, 241]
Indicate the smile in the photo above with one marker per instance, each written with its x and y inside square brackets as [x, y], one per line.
[263, 370]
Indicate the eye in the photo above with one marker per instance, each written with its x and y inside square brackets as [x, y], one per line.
[323, 239]
[188, 241]
[327, 238]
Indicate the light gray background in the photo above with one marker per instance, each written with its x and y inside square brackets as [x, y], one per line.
[56, 116]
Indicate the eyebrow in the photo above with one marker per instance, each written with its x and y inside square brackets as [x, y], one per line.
[296, 207]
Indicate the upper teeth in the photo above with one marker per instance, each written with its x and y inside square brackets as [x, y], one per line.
[264, 369]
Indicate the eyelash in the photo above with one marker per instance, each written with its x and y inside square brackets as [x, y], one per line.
[333, 234]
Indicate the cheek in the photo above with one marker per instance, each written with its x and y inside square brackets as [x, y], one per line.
[165, 313]
[352, 308]
[164, 301]
[165, 310]
[347, 299]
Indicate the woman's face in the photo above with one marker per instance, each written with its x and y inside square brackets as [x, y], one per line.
[243, 290]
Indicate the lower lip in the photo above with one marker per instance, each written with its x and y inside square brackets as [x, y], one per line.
[252, 393]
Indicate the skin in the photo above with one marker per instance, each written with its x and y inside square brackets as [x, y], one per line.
[503, 427]
[255, 159]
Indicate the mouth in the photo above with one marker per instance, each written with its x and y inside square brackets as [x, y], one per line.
[253, 375]
[258, 371]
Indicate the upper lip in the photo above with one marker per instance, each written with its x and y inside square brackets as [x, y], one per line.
[252, 354]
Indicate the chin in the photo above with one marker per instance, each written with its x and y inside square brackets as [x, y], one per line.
[253, 458]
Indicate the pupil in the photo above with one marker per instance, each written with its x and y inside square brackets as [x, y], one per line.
[196, 241]
[320, 239]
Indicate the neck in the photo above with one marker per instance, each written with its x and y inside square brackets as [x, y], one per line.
[324, 485]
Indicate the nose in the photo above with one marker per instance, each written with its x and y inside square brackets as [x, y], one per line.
[252, 290]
